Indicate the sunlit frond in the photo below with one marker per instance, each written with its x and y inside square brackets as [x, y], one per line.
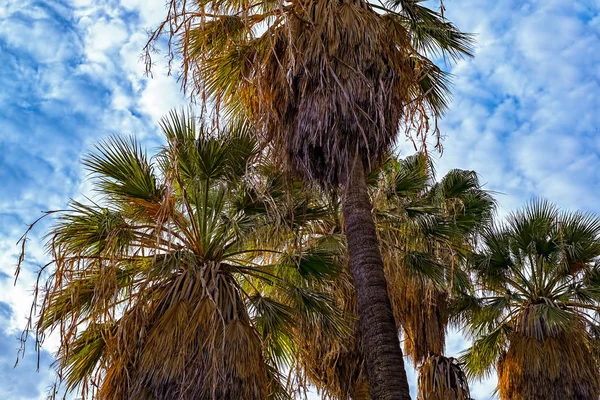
[122, 169]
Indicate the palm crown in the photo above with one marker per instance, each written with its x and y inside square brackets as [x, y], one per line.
[185, 279]
[534, 316]
[323, 79]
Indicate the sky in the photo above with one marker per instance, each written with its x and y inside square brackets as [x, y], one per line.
[525, 116]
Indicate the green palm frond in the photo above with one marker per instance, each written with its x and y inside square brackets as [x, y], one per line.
[423, 265]
[312, 263]
[92, 230]
[86, 354]
[431, 32]
[480, 359]
[412, 175]
[433, 87]
[122, 169]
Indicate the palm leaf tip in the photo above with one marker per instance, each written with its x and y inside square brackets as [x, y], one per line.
[442, 378]
[121, 168]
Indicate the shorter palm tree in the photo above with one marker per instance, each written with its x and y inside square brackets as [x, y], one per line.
[185, 280]
[534, 315]
[427, 230]
[442, 378]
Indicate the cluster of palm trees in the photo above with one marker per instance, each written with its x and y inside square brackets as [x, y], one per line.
[275, 241]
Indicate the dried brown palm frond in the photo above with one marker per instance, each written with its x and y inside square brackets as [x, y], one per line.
[181, 341]
[342, 91]
[167, 288]
[559, 367]
[441, 378]
[324, 80]
[423, 316]
[332, 364]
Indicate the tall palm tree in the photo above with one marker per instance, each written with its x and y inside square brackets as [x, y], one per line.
[185, 279]
[328, 84]
[426, 231]
[534, 316]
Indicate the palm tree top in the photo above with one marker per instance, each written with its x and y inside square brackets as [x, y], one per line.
[538, 251]
[324, 80]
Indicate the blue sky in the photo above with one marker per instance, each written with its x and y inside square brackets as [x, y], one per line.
[525, 116]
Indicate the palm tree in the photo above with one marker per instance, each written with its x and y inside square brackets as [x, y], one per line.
[441, 378]
[426, 232]
[328, 84]
[534, 316]
[185, 279]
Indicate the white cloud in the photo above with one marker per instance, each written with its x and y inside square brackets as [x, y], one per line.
[160, 95]
[151, 12]
[67, 82]
[113, 48]
[525, 107]
[102, 37]
[31, 31]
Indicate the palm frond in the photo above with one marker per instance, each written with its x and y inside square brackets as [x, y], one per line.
[122, 169]
[442, 378]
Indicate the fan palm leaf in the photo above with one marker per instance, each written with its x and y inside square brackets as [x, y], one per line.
[441, 378]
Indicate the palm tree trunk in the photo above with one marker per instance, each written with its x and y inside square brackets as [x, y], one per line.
[381, 347]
